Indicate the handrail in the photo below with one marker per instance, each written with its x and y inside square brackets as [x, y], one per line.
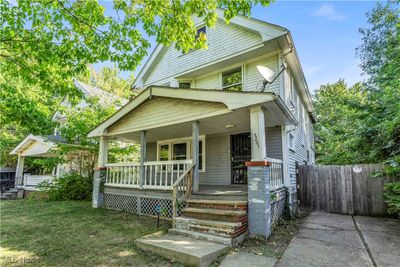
[183, 175]
[182, 189]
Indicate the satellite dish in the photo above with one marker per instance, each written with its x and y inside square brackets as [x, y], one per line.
[267, 73]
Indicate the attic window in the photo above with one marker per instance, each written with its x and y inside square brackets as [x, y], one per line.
[232, 80]
[184, 85]
[200, 30]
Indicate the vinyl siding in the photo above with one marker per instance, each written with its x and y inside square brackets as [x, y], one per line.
[217, 161]
[253, 79]
[303, 131]
[223, 40]
[273, 140]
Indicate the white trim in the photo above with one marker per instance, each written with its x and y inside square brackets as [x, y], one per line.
[232, 100]
[187, 140]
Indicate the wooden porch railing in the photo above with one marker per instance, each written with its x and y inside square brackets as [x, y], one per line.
[276, 173]
[157, 174]
[182, 189]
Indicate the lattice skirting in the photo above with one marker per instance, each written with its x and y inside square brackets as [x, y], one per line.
[277, 205]
[144, 205]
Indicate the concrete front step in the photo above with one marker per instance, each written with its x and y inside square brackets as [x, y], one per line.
[219, 228]
[183, 249]
[232, 242]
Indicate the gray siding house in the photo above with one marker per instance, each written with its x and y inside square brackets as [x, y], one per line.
[204, 120]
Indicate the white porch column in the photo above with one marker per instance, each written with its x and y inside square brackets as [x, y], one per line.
[19, 170]
[142, 157]
[257, 128]
[195, 155]
[103, 151]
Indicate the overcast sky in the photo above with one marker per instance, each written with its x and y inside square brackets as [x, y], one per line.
[325, 35]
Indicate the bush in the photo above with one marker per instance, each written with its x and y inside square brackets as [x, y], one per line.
[391, 194]
[71, 186]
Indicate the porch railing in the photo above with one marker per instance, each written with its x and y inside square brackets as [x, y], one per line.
[157, 174]
[276, 173]
[182, 190]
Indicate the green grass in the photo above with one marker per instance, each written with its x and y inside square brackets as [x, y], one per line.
[73, 234]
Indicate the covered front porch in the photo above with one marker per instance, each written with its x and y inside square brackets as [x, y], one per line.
[194, 141]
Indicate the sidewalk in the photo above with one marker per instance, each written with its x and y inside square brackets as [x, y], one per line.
[326, 239]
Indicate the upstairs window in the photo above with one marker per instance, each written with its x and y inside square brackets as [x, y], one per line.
[201, 30]
[184, 85]
[232, 80]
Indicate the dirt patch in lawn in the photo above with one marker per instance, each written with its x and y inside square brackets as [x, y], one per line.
[277, 243]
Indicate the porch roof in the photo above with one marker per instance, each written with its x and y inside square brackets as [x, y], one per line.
[35, 146]
[197, 103]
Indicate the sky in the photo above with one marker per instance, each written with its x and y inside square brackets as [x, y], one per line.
[325, 33]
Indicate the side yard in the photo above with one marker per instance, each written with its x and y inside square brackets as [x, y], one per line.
[72, 233]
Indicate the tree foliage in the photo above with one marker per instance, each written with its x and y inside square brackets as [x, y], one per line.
[47, 42]
[361, 124]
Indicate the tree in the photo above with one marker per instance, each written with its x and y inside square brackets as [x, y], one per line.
[380, 59]
[47, 42]
[361, 124]
[108, 79]
[341, 112]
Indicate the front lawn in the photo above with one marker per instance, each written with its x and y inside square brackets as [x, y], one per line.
[72, 234]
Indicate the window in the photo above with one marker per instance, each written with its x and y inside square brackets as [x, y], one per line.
[308, 155]
[164, 152]
[232, 80]
[201, 30]
[181, 149]
[291, 141]
[184, 85]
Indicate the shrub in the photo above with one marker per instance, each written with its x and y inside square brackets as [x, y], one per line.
[71, 186]
[391, 194]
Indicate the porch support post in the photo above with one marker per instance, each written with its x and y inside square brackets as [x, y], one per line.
[195, 155]
[257, 128]
[103, 151]
[19, 172]
[100, 173]
[142, 157]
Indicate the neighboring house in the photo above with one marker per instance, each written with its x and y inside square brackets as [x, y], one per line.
[200, 120]
[45, 146]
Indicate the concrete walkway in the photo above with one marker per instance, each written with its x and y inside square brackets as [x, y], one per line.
[326, 239]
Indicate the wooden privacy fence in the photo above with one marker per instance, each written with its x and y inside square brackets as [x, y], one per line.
[346, 189]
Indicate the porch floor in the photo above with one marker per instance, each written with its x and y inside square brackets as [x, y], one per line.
[227, 192]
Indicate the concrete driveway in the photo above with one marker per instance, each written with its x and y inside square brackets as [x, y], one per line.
[326, 239]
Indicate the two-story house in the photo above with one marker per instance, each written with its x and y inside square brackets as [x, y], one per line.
[201, 116]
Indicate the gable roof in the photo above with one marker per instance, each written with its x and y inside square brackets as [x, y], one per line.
[232, 101]
[267, 31]
[43, 145]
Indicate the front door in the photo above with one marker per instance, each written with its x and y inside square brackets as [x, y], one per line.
[240, 153]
